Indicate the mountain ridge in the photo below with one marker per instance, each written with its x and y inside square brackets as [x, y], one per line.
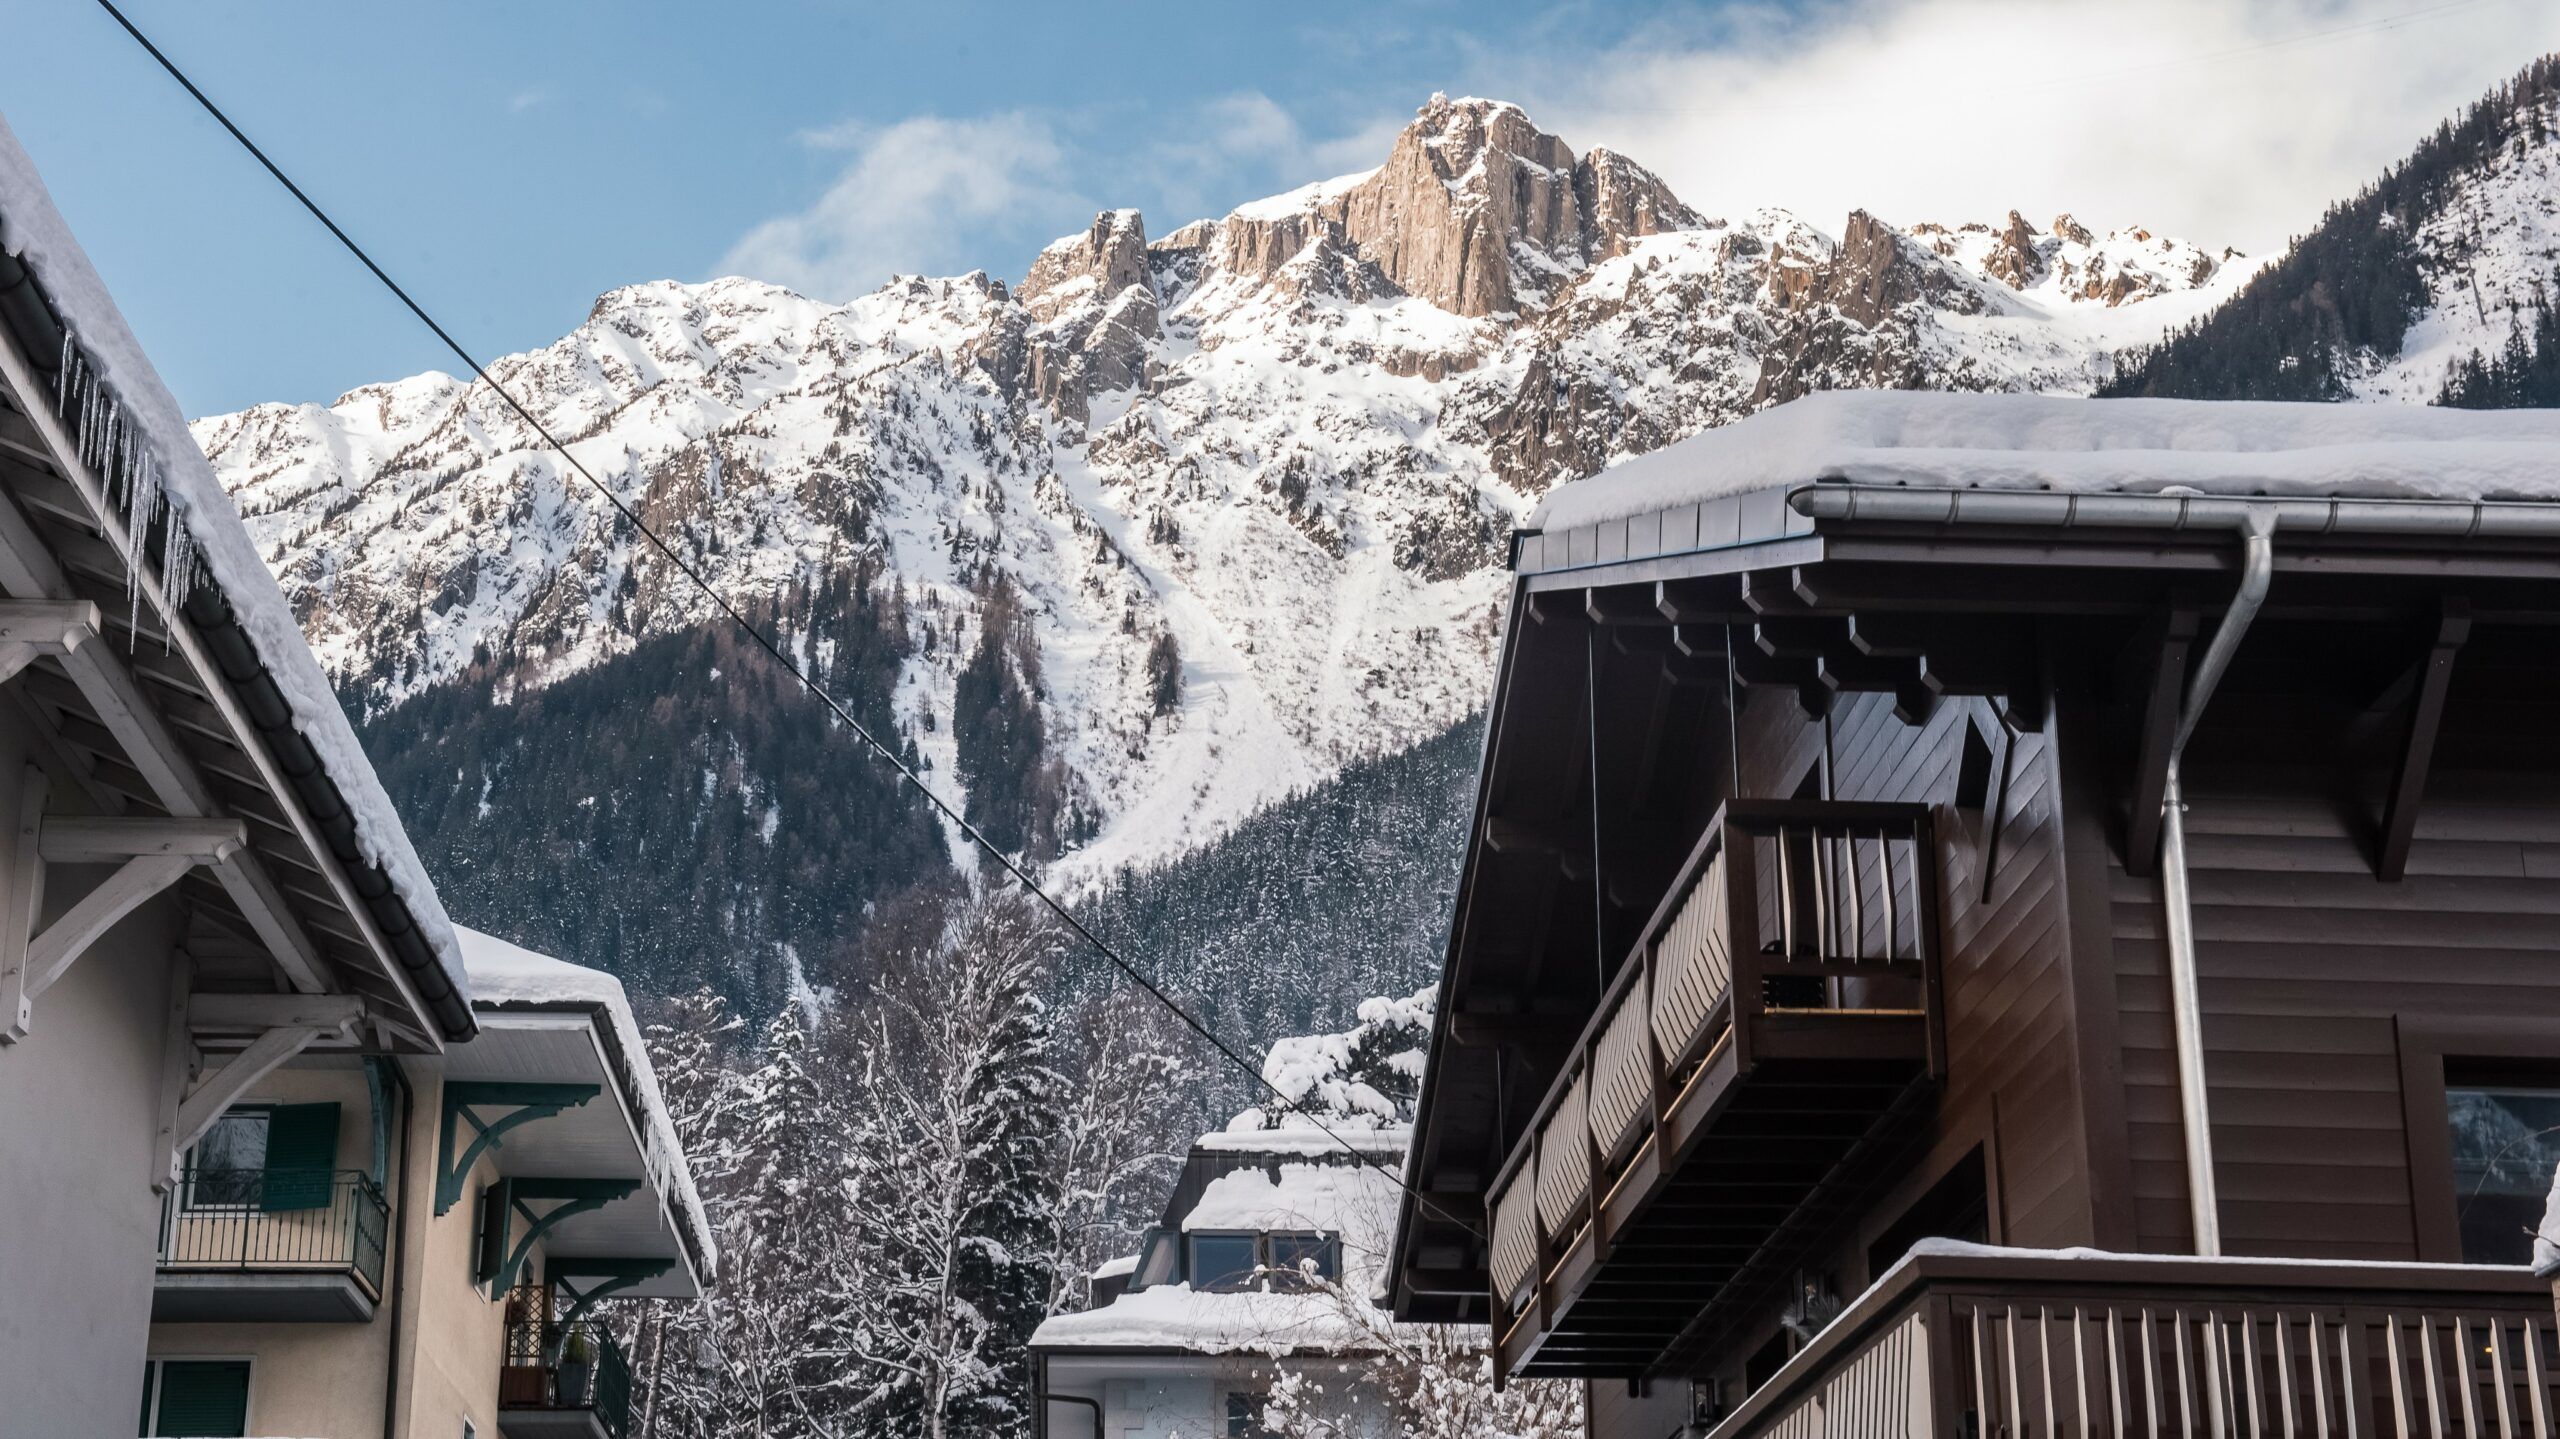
[1245, 483]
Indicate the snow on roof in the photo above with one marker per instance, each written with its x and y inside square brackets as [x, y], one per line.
[1114, 1268]
[1302, 1138]
[2243, 447]
[505, 975]
[1176, 1316]
[1341, 1197]
[1353, 1200]
[33, 230]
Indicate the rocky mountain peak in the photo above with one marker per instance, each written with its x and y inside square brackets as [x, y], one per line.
[1109, 257]
[1482, 213]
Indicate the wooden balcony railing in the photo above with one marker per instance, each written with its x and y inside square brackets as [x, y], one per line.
[2023, 1344]
[1805, 911]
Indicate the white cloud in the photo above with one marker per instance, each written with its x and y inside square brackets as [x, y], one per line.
[2225, 121]
[925, 195]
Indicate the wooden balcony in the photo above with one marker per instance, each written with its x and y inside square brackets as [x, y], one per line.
[1776, 1011]
[2025, 1344]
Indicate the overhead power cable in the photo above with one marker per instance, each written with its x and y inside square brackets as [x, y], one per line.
[774, 651]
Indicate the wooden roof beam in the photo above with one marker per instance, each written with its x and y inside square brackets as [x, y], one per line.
[2167, 643]
[2426, 721]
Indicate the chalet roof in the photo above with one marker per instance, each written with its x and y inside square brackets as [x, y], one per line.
[507, 979]
[1268, 1181]
[242, 641]
[2042, 442]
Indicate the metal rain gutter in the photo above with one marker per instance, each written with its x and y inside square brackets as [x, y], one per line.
[2446, 519]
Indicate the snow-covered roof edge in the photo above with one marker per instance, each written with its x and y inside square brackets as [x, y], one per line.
[509, 976]
[2005, 441]
[33, 230]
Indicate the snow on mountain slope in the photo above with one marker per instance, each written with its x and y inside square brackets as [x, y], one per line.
[2487, 251]
[1276, 452]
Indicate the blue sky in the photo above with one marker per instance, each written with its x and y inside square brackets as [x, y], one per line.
[512, 161]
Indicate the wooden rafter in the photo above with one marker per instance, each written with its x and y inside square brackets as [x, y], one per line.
[2426, 721]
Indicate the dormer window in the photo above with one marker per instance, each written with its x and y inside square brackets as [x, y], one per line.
[1159, 1260]
[1234, 1261]
[1224, 1262]
[1298, 1259]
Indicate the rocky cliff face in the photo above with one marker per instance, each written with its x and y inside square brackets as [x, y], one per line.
[1246, 483]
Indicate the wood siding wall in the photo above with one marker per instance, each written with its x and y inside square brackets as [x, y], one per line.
[2012, 1087]
[2331, 997]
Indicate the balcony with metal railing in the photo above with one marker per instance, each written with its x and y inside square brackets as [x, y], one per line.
[270, 1245]
[1776, 1013]
[1961, 1341]
[563, 1381]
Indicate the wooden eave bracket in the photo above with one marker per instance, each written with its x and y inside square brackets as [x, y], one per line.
[316, 1016]
[567, 1198]
[613, 1276]
[523, 1104]
[2426, 721]
[150, 855]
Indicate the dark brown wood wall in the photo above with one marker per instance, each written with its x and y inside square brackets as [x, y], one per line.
[2012, 1086]
[1660, 1412]
[2332, 997]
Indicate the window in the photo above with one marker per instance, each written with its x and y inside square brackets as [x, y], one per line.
[228, 1169]
[1223, 1262]
[266, 1157]
[196, 1398]
[1159, 1260]
[1244, 1414]
[1297, 1257]
[2506, 1141]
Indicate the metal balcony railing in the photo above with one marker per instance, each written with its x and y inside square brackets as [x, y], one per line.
[1783, 908]
[576, 1366]
[275, 1221]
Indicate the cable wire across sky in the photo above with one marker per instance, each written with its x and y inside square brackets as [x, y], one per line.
[771, 649]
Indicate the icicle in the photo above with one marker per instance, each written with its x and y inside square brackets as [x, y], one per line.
[62, 374]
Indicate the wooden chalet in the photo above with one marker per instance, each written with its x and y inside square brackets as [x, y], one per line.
[1846, 1031]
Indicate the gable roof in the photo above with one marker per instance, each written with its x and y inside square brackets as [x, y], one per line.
[179, 543]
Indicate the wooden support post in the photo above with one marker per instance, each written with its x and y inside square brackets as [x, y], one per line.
[21, 907]
[178, 1064]
[2166, 693]
[2426, 720]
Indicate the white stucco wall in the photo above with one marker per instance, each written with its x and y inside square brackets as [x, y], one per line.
[78, 1114]
[315, 1378]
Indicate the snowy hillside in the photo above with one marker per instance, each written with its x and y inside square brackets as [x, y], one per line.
[2439, 258]
[1243, 488]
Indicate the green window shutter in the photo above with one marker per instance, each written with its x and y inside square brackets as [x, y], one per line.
[202, 1399]
[302, 1156]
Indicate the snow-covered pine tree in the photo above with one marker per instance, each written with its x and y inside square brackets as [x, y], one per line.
[775, 1335]
[692, 1041]
[953, 1190]
[1122, 1131]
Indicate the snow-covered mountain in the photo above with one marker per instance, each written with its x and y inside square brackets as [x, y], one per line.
[1243, 486]
[2440, 258]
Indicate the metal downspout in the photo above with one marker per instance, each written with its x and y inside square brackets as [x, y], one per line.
[2257, 530]
[398, 1290]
